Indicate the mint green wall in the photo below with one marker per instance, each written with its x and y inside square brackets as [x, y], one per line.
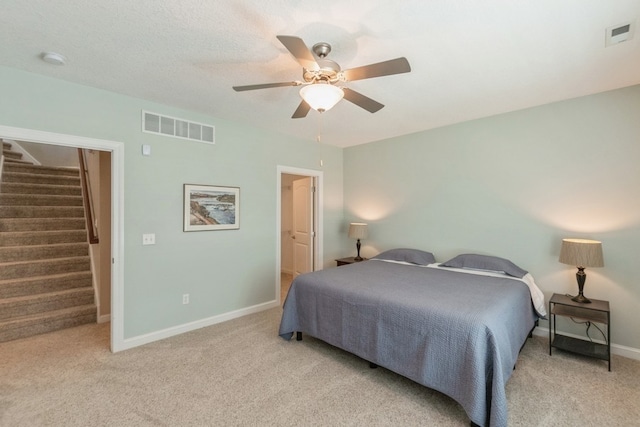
[514, 185]
[223, 271]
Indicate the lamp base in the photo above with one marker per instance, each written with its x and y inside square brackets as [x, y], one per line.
[581, 277]
[581, 299]
[358, 257]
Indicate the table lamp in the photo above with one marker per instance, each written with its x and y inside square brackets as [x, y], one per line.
[358, 230]
[581, 253]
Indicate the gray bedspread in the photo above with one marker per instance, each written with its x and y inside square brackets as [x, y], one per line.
[453, 332]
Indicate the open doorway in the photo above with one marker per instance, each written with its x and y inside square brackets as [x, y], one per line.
[299, 225]
[114, 159]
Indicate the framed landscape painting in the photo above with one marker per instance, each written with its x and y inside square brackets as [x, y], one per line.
[209, 207]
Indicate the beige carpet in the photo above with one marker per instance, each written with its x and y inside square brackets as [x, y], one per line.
[240, 373]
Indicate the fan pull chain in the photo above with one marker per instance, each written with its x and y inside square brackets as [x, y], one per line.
[319, 140]
[319, 136]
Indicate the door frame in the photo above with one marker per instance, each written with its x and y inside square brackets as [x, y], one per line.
[117, 210]
[318, 223]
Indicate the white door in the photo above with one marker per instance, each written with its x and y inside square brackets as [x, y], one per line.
[302, 226]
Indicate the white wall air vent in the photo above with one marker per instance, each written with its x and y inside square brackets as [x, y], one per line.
[177, 128]
[619, 33]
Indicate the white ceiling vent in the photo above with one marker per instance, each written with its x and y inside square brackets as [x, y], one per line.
[619, 33]
[177, 128]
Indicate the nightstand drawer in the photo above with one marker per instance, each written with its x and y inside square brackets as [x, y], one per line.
[581, 313]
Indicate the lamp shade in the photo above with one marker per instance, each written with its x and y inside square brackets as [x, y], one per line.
[358, 230]
[321, 96]
[581, 253]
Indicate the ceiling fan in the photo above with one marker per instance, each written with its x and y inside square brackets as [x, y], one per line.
[321, 77]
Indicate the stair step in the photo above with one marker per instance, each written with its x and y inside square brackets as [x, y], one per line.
[19, 238]
[43, 284]
[18, 269]
[41, 212]
[37, 178]
[33, 304]
[41, 252]
[42, 170]
[15, 161]
[41, 224]
[8, 199]
[6, 145]
[21, 188]
[47, 322]
[11, 154]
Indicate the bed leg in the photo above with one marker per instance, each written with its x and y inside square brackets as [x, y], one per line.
[535, 325]
[298, 336]
[372, 365]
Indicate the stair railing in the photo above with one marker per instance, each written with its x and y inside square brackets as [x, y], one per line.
[87, 198]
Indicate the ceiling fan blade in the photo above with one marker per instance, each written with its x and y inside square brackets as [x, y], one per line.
[302, 110]
[300, 51]
[379, 69]
[264, 86]
[361, 101]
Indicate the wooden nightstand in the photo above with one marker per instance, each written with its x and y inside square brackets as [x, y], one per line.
[347, 260]
[597, 312]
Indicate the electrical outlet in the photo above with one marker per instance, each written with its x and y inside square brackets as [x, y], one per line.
[185, 299]
[149, 239]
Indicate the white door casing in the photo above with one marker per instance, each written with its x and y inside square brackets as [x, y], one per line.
[117, 210]
[318, 208]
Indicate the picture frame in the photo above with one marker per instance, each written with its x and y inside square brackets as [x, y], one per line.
[211, 207]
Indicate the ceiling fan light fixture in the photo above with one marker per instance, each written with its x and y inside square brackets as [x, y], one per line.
[321, 96]
[321, 74]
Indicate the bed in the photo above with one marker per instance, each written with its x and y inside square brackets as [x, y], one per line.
[456, 327]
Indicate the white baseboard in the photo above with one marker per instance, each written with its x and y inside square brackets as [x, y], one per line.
[620, 350]
[105, 318]
[191, 326]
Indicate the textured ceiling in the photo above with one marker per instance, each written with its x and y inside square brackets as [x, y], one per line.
[469, 58]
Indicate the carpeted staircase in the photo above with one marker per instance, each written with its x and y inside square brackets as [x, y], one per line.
[45, 273]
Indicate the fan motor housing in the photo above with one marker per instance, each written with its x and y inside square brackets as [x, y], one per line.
[328, 71]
